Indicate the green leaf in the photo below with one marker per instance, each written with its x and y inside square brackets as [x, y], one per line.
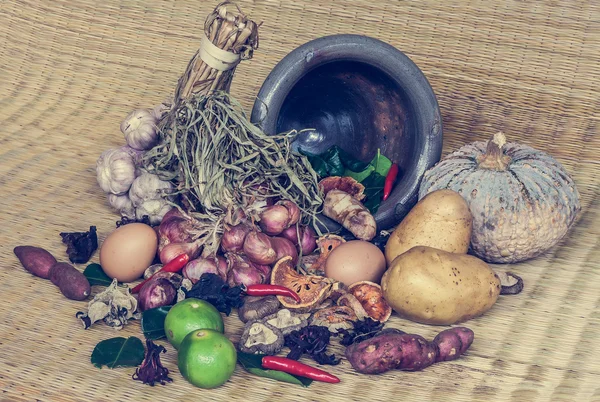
[153, 322]
[96, 276]
[373, 191]
[118, 352]
[329, 163]
[253, 364]
[381, 164]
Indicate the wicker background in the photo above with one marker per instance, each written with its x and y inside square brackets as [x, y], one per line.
[72, 70]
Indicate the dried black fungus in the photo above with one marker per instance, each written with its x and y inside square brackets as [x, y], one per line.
[213, 289]
[151, 371]
[363, 329]
[125, 221]
[80, 245]
[312, 340]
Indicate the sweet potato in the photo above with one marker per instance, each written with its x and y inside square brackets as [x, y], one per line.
[35, 260]
[453, 342]
[71, 282]
[392, 349]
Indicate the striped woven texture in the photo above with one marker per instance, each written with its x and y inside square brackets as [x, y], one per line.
[70, 71]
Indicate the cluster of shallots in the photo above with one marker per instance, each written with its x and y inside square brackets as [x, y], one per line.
[247, 251]
[132, 191]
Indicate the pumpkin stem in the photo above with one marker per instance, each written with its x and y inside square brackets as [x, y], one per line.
[494, 158]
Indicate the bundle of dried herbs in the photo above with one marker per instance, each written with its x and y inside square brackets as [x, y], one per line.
[221, 162]
[229, 36]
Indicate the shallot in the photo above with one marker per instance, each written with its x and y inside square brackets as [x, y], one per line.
[308, 238]
[195, 268]
[242, 271]
[174, 228]
[233, 238]
[283, 248]
[293, 211]
[258, 248]
[274, 220]
[172, 250]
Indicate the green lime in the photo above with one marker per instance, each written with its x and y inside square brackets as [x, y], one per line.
[189, 315]
[206, 358]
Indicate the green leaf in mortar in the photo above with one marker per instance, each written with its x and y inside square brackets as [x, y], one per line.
[96, 276]
[153, 322]
[118, 352]
[253, 364]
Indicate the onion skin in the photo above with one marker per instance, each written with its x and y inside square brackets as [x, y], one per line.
[283, 248]
[173, 250]
[156, 293]
[274, 220]
[258, 248]
[293, 211]
[233, 238]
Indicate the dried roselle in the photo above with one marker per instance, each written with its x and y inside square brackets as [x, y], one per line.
[312, 340]
[363, 329]
[151, 371]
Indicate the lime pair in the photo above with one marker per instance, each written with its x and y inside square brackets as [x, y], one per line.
[206, 358]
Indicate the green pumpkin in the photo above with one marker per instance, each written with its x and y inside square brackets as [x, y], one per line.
[522, 200]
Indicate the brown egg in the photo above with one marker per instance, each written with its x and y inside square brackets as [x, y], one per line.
[128, 251]
[355, 261]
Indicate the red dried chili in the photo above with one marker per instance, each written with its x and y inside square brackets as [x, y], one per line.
[175, 265]
[271, 290]
[390, 179]
[296, 368]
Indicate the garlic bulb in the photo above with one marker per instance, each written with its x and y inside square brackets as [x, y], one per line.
[122, 204]
[161, 109]
[140, 129]
[115, 171]
[148, 186]
[155, 209]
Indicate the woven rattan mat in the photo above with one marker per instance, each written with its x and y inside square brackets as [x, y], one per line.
[71, 71]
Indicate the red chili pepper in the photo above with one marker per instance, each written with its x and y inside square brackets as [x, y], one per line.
[175, 265]
[296, 368]
[390, 179]
[268, 290]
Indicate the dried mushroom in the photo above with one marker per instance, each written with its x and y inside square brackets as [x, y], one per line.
[370, 296]
[113, 305]
[510, 283]
[286, 321]
[312, 289]
[255, 308]
[260, 337]
[346, 184]
[349, 300]
[334, 318]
